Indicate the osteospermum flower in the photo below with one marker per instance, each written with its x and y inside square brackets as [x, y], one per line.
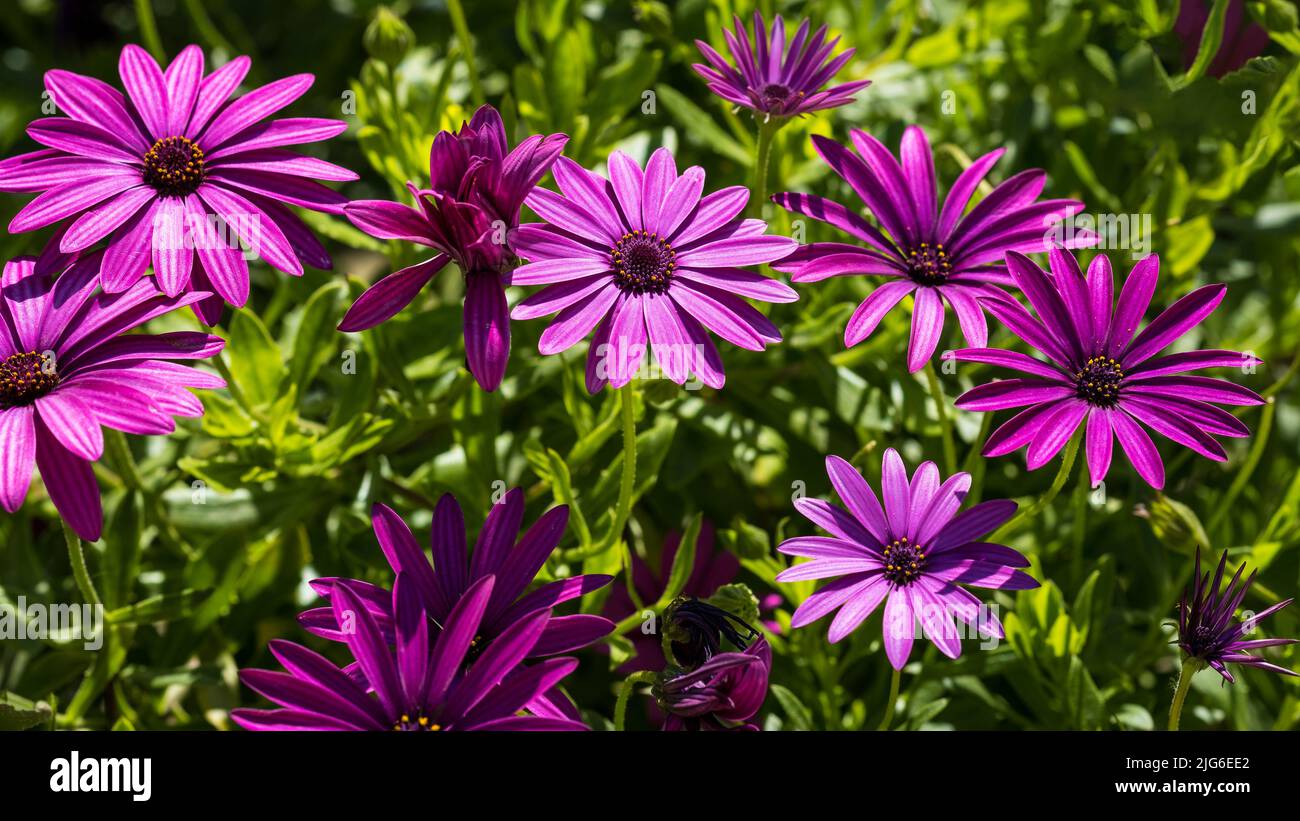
[67, 369]
[151, 172]
[1100, 374]
[935, 254]
[641, 258]
[418, 687]
[454, 570]
[773, 79]
[723, 693]
[913, 555]
[477, 184]
[1207, 631]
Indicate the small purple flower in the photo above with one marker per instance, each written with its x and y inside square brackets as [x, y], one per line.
[914, 555]
[640, 257]
[496, 553]
[69, 368]
[1100, 374]
[153, 171]
[772, 79]
[936, 254]
[1241, 41]
[422, 686]
[1207, 632]
[477, 184]
[723, 693]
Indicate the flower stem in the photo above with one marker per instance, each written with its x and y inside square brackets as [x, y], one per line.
[1190, 668]
[117, 452]
[762, 159]
[457, 13]
[625, 693]
[77, 558]
[893, 698]
[627, 396]
[149, 30]
[1062, 475]
[945, 423]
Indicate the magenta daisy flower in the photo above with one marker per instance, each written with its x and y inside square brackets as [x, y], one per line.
[477, 185]
[153, 172]
[645, 261]
[419, 686]
[1207, 631]
[775, 79]
[723, 693]
[914, 554]
[68, 368]
[1099, 374]
[935, 254]
[496, 553]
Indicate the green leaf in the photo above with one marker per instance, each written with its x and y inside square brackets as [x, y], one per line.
[699, 127]
[798, 717]
[18, 713]
[254, 359]
[316, 341]
[683, 561]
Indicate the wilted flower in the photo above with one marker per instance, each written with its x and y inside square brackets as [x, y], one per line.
[937, 255]
[643, 259]
[422, 686]
[153, 172]
[773, 79]
[477, 184]
[454, 570]
[723, 693]
[1103, 375]
[1207, 631]
[695, 629]
[914, 555]
[68, 367]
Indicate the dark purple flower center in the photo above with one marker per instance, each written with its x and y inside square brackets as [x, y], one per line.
[418, 724]
[643, 263]
[174, 166]
[903, 561]
[1098, 381]
[777, 98]
[25, 377]
[928, 264]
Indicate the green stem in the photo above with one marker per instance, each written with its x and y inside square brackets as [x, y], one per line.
[627, 396]
[457, 13]
[1062, 475]
[945, 423]
[893, 698]
[208, 31]
[77, 558]
[117, 452]
[625, 693]
[762, 159]
[149, 30]
[1190, 668]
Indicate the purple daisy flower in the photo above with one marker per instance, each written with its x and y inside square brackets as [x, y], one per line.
[723, 693]
[936, 254]
[477, 184]
[67, 367]
[152, 173]
[644, 257]
[773, 79]
[1102, 375]
[441, 584]
[420, 686]
[1207, 632]
[913, 554]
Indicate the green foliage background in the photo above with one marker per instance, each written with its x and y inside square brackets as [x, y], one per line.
[291, 460]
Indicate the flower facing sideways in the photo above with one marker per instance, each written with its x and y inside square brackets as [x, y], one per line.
[723, 693]
[914, 554]
[418, 686]
[152, 172]
[68, 368]
[643, 259]
[1101, 374]
[773, 79]
[936, 254]
[477, 184]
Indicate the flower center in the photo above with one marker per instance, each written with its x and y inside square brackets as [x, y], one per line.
[928, 264]
[418, 724]
[174, 166]
[643, 263]
[903, 561]
[25, 377]
[1098, 381]
[776, 98]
